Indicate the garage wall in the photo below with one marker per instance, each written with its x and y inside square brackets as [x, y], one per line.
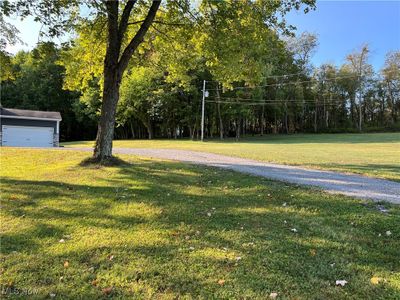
[37, 123]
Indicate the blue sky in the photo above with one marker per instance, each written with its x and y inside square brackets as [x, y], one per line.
[341, 26]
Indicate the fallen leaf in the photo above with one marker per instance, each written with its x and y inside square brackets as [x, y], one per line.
[273, 295]
[107, 291]
[95, 282]
[341, 282]
[66, 264]
[376, 280]
[313, 252]
[111, 257]
[221, 282]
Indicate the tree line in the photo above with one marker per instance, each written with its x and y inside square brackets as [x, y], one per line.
[259, 78]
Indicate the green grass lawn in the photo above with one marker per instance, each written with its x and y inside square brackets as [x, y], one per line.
[165, 230]
[375, 154]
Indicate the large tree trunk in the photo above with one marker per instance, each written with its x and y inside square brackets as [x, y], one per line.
[105, 131]
[115, 63]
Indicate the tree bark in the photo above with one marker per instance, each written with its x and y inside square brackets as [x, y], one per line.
[286, 119]
[262, 119]
[393, 104]
[221, 123]
[237, 127]
[315, 116]
[149, 127]
[112, 79]
[132, 129]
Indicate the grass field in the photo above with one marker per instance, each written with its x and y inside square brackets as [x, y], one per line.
[375, 154]
[164, 230]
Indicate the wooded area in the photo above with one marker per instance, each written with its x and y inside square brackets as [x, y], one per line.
[259, 77]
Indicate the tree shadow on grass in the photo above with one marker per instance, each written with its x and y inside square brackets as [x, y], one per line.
[155, 213]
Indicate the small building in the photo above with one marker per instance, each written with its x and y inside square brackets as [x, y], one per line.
[29, 128]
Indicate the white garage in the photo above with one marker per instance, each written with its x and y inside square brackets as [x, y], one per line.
[24, 136]
[29, 128]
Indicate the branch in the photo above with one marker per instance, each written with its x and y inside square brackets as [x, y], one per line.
[136, 22]
[158, 22]
[125, 17]
[112, 24]
[163, 33]
[139, 36]
[169, 24]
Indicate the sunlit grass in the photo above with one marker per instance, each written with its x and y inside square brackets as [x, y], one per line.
[165, 230]
[375, 154]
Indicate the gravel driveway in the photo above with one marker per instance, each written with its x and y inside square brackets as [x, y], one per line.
[351, 185]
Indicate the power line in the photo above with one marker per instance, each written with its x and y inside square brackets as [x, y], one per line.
[279, 102]
[261, 100]
[289, 83]
[271, 76]
[244, 100]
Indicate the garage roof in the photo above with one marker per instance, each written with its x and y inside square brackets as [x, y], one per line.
[29, 114]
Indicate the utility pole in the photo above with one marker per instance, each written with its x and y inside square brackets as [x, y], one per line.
[360, 95]
[364, 52]
[202, 110]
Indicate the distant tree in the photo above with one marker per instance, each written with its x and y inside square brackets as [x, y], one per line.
[391, 75]
[358, 62]
[303, 47]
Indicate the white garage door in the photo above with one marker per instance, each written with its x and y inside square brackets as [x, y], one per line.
[24, 136]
